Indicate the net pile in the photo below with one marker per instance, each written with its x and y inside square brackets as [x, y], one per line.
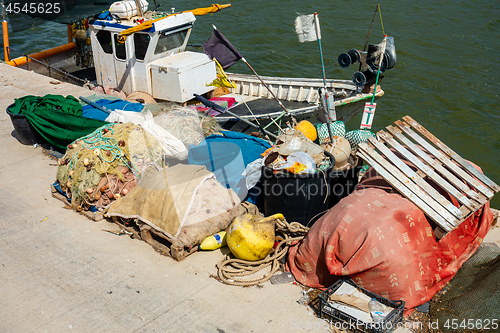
[183, 123]
[472, 295]
[103, 166]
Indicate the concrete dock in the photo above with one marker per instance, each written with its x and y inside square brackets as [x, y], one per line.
[60, 272]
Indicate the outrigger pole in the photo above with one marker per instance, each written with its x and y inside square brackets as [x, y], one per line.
[369, 32]
[267, 87]
[5, 29]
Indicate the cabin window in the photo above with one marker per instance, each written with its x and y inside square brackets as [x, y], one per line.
[104, 39]
[141, 43]
[120, 51]
[169, 41]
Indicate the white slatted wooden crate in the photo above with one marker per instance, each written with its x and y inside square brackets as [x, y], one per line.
[434, 161]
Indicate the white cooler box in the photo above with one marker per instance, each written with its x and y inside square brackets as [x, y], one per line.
[178, 77]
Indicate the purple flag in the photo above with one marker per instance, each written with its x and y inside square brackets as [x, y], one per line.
[218, 47]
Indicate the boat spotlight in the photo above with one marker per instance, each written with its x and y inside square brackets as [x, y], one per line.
[369, 61]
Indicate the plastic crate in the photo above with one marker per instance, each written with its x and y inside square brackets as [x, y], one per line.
[389, 324]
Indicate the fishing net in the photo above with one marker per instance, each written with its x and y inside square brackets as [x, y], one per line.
[473, 294]
[183, 123]
[104, 165]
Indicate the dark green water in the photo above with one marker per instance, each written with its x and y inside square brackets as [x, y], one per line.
[446, 76]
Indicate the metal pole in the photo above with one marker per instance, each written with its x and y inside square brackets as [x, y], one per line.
[369, 32]
[384, 43]
[326, 105]
[5, 30]
[70, 34]
[269, 89]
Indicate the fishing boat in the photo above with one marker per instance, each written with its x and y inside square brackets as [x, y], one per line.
[299, 95]
[136, 50]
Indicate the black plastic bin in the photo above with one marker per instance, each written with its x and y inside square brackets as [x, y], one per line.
[389, 324]
[299, 197]
[26, 134]
[343, 182]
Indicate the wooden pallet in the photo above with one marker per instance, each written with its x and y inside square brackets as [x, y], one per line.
[95, 216]
[157, 240]
[136, 230]
[435, 161]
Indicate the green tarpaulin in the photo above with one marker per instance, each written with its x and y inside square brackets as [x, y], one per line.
[58, 119]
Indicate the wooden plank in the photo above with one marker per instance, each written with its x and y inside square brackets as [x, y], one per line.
[441, 201]
[475, 172]
[400, 176]
[429, 171]
[250, 89]
[446, 161]
[404, 190]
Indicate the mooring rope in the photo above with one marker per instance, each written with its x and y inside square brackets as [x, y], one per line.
[232, 270]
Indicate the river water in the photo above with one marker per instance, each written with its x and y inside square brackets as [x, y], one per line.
[445, 77]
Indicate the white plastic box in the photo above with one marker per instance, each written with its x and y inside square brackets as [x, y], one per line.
[177, 77]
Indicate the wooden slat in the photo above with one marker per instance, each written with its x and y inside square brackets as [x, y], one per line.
[451, 220]
[441, 201]
[483, 178]
[429, 171]
[261, 88]
[280, 91]
[250, 89]
[404, 190]
[446, 161]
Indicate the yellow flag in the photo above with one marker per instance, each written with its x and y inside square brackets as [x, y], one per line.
[222, 79]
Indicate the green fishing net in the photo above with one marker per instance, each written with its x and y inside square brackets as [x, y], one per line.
[470, 302]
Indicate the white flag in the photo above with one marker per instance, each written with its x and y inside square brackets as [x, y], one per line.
[305, 26]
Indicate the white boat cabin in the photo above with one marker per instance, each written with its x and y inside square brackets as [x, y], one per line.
[153, 60]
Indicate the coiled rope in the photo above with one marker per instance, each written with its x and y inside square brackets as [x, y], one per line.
[233, 271]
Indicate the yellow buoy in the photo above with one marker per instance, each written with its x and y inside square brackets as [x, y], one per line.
[214, 242]
[251, 239]
[308, 129]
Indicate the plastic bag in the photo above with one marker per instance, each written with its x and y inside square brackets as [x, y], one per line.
[302, 159]
[253, 172]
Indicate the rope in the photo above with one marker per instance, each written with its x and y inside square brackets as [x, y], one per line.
[50, 67]
[334, 145]
[232, 271]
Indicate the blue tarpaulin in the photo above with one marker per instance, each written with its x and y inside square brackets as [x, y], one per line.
[90, 112]
[227, 157]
